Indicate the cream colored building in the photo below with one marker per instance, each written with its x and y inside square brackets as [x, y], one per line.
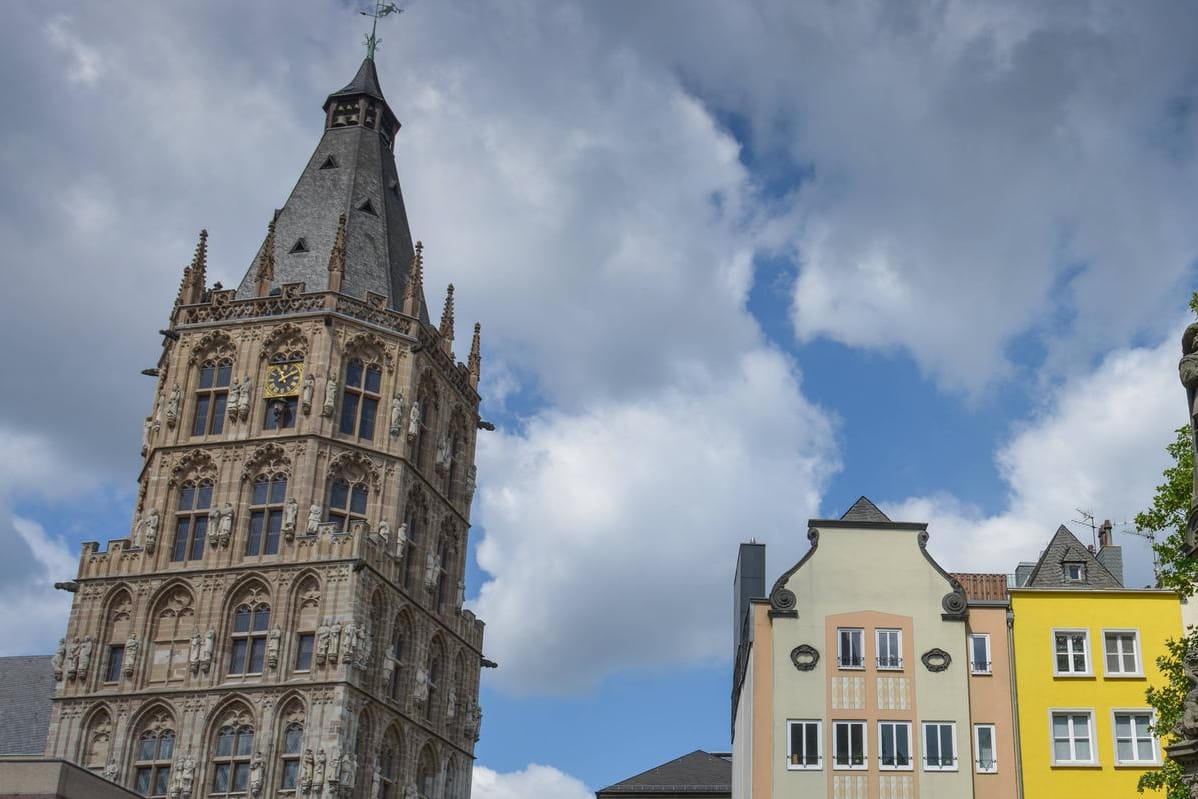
[284, 616]
[852, 678]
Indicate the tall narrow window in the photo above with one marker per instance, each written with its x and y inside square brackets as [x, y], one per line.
[411, 552]
[894, 745]
[1072, 651]
[116, 660]
[1122, 653]
[443, 587]
[979, 653]
[231, 761]
[848, 744]
[398, 643]
[984, 747]
[249, 639]
[172, 641]
[389, 768]
[434, 681]
[347, 504]
[423, 457]
[850, 648]
[939, 746]
[212, 397]
[890, 649]
[152, 763]
[293, 742]
[804, 745]
[191, 520]
[266, 515]
[1134, 741]
[1072, 737]
[360, 400]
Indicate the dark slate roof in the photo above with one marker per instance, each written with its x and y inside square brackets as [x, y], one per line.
[26, 686]
[352, 172]
[365, 82]
[697, 773]
[1065, 548]
[864, 511]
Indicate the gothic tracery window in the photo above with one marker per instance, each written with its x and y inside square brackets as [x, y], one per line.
[347, 504]
[250, 625]
[231, 761]
[290, 751]
[425, 445]
[400, 638]
[426, 773]
[212, 397]
[389, 766]
[360, 399]
[174, 624]
[97, 745]
[443, 587]
[266, 515]
[191, 520]
[436, 664]
[152, 756]
[416, 515]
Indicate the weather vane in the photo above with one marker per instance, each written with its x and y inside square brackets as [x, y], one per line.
[381, 10]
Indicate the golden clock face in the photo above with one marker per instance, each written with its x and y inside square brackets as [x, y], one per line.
[283, 379]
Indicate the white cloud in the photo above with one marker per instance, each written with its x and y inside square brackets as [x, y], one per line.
[533, 782]
[1098, 446]
[35, 614]
[611, 534]
[86, 64]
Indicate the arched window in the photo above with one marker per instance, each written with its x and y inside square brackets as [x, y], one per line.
[436, 664]
[347, 504]
[414, 521]
[424, 435]
[443, 587]
[389, 767]
[250, 625]
[212, 397]
[291, 748]
[174, 624]
[266, 515]
[426, 773]
[97, 744]
[231, 761]
[120, 627]
[307, 619]
[360, 399]
[400, 637]
[152, 756]
[191, 520]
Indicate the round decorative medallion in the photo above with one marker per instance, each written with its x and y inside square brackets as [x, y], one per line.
[954, 603]
[783, 599]
[936, 659]
[804, 656]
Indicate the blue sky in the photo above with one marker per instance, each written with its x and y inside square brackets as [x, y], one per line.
[736, 265]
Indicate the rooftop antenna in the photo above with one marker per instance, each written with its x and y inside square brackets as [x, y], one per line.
[381, 10]
[1150, 536]
[1087, 519]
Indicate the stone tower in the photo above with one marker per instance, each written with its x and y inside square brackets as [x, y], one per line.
[285, 617]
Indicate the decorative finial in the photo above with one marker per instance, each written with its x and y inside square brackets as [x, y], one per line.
[266, 264]
[447, 322]
[476, 359]
[414, 290]
[337, 257]
[381, 10]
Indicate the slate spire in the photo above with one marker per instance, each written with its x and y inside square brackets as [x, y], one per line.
[351, 174]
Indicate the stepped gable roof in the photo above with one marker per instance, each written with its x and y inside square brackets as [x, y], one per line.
[698, 773]
[1066, 548]
[863, 510]
[983, 587]
[26, 687]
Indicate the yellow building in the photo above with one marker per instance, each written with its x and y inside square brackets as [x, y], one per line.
[1085, 652]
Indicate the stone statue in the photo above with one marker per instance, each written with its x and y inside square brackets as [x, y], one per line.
[420, 691]
[187, 774]
[172, 406]
[290, 515]
[396, 415]
[318, 770]
[1187, 727]
[414, 421]
[471, 482]
[314, 514]
[306, 393]
[73, 659]
[322, 641]
[243, 398]
[451, 705]
[256, 769]
[306, 771]
[330, 398]
[461, 595]
[384, 531]
[1187, 370]
[401, 540]
[272, 647]
[409, 790]
[226, 523]
[149, 531]
[60, 657]
[334, 640]
[389, 665]
[376, 783]
[193, 654]
[146, 430]
[85, 656]
[131, 647]
[110, 771]
[349, 771]
[358, 527]
[444, 454]
[206, 651]
[334, 770]
[349, 642]
[432, 569]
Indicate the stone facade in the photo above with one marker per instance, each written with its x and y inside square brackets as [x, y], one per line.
[285, 616]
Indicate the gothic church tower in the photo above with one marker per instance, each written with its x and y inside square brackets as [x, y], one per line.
[285, 618]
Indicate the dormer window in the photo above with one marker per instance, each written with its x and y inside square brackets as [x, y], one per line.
[1075, 572]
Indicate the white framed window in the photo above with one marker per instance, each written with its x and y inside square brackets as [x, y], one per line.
[1071, 650]
[850, 648]
[848, 745]
[889, 649]
[1135, 745]
[985, 749]
[894, 745]
[1074, 572]
[939, 746]
[804, 744]
[1122, 650]
[979, 653]
[1073, 737]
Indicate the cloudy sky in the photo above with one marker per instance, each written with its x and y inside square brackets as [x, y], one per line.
[736, 263]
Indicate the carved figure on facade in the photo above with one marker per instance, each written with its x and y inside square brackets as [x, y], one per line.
[315, 511]
[257, 767]
[111, 772]
[409, 790]
[187, 774]
[290, 516]
[1187, 727]
[460, 599]
[349, 771]
[420, 689]
[131, 647]
[206, 650]
[322, 641]
[471, 483]
[272, 647]
[334, 641]
[319, 769]
[243, 398]
[172, 406]
[414, 421]
[349, 642]
[226, 524]
[396, 415]
[307, 767]
[401, 540]
[193, 651]
[376, 783]
[149, 531]
[384, 531]
[146, 429]
[444, 454]
[432, 569]
[59, 658]
[85, 656]
[306, 392]
[451, 705]
[389, 664]
[73, 659]
[330, 398]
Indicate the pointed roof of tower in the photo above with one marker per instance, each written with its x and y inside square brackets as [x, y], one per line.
[352, 172]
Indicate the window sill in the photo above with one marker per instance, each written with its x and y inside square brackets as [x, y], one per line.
[945, 770]
[804, 768]
[850, 768]
[1139, 675]
[1073, 675]
[1147, 764]
[896, 769]
[1088, 764]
